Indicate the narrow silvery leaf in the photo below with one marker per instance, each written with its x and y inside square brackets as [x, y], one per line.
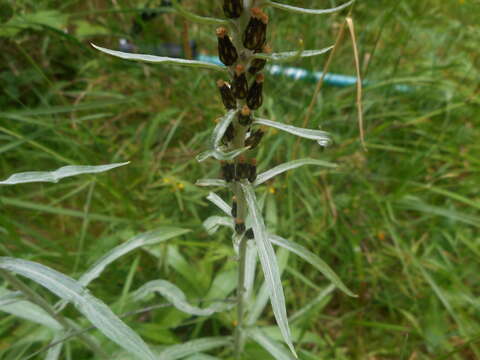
[321, 137]
[93, 309]
[261, 297]
[220, 155]
[300, 10]
[145, 239]
[211, 182]
[250, 266]
[269, 264]
[193, 347]
[267, 175]
[217, 200]
[292, 55]
[202, 357]
[221, 128]
[212, 223]
[53, 353]
[312, 259]
[278, 351]
[176, 297]
[55, 176]
[13, 304]
[160, 59]
[317, 300]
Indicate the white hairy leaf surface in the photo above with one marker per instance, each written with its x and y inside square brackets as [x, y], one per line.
[220, 155]
[291, 55]
[160, 59]
[299, 10]
[193, 347]
[145, 239]
[92, 308]
[212, 223]
[270, 268]
[313, 260]
[321, 137]
[56, 175]
[267, 175]
[176, 297]
[211, 182]
[278, 351]
[217, 200]
[13, 303]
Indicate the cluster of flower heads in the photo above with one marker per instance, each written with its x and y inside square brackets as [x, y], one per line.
[244, 93]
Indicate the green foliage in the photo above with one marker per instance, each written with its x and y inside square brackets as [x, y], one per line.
[399, 224]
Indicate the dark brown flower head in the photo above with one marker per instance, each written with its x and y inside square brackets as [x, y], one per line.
[245, 117]
[232, 8]
[226, 50]
[227, 96]
[254, 139]
[257, 65]
[234, 207]
[228, 171]
[255, 93]
[252, 170]
[240, 83]
[239, 226]
[255, 34]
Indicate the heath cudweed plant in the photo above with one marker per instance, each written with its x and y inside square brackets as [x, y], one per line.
[243, 49]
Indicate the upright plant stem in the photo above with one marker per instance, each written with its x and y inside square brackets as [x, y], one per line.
[39, 301]
[239, 338]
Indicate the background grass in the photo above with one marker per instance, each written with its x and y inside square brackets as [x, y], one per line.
[399, 223]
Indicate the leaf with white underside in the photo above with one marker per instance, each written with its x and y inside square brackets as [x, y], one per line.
[212, 223]
[278, 351]
[176, 297]
[93, 309]
[291, 55]
[269, 264]
[13, 303]
[321, 137]
[55, 176]
[267, 175]
[217, 200]
[193, 347]
[220, 155]
[211, 182]
[160, 59]
[144, 239]
[221, 128]
[300, 10]
[313, 260]
[54, 352]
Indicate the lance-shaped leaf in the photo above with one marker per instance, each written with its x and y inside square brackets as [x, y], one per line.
[217, 200]
[312, 259]
[220, 155]
[55, 176]
[176, 297]
[221, 128]
[321, 137]
[211, 182]
[291, 55]
[267, 175]
[145, 239]
[197, 18]
[250, 266]
[278, 351]
[193, 347]
[212, 223]
[92, 308]
[13, 303]
[269, 264]
[160, 59]
[300, 10]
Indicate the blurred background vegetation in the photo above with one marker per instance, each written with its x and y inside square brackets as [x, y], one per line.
[399, 223]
